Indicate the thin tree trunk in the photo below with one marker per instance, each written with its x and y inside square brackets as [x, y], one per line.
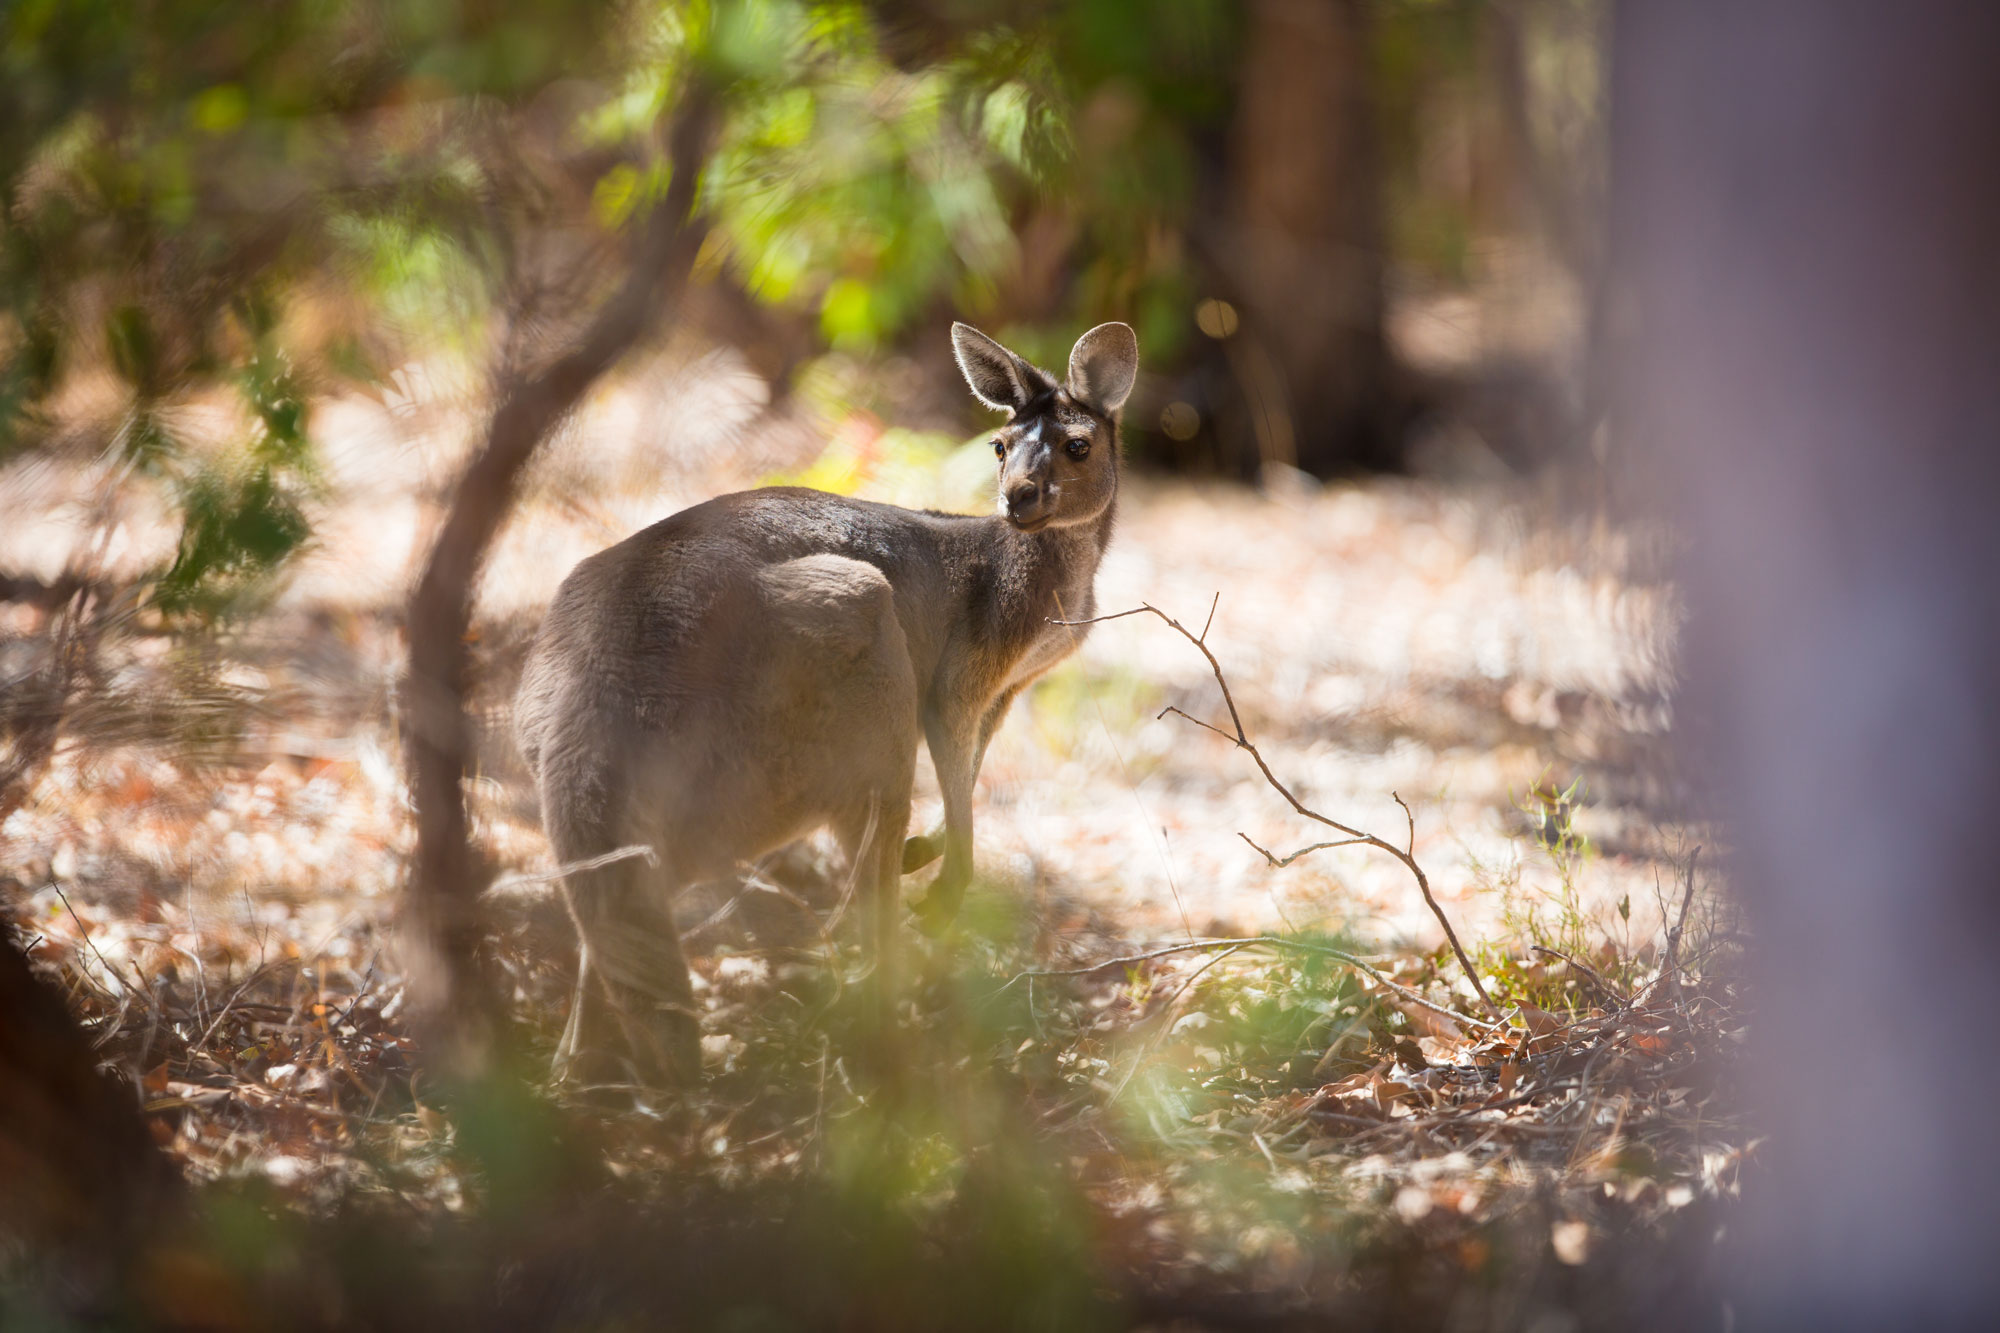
[460, 1011]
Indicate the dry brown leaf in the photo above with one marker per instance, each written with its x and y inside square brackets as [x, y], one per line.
[1510, 1074]
[1539, 1022]
[1439, 1051]
[1650, 1043]
[1388, 1092]
[1431, 1024]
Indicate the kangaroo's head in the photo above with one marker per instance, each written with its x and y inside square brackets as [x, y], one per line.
[1058, 450]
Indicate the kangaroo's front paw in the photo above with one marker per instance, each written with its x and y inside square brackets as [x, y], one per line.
[935, 911]
[921, 850]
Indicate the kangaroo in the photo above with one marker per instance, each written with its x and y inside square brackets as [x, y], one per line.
[764, 663]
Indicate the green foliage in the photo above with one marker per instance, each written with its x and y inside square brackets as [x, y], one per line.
[237, 530]
[1241, 1035]
[176, 177]
[1075, 701]
[854, 188]
[244, 513]
[865, 189]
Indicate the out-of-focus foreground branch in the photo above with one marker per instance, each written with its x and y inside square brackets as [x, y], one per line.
[84, 1186]
[459, 1008]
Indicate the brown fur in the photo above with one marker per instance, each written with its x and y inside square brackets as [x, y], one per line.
[762, 664]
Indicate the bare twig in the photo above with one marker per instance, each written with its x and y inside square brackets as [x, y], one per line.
[123, 983]
[509, 882]
[1242, 741]
[1167, 1021]
[230, 1004]
[1590, 973]
[1670, 973]
[1687, 898]
[1280, 862]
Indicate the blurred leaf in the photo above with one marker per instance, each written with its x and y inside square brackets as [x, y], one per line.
[237, 530]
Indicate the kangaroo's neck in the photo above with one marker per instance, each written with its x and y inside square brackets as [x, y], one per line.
[1049, 575]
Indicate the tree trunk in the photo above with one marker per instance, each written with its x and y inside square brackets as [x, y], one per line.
[1304, 253]
[1805, 212]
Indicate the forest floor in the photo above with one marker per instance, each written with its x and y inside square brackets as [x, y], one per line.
[1316, 1106]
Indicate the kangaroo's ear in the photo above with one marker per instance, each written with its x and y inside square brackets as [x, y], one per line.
[1103, 365]
[995, 375]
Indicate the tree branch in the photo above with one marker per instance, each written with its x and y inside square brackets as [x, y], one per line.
[1353, 835]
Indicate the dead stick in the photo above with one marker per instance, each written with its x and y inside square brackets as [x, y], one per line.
[84, 931]
[1354, 835]
[1670, 973]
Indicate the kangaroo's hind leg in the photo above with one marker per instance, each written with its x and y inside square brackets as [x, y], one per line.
[872, 835]
[634, 1002]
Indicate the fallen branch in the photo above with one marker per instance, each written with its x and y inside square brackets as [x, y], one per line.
[1270, 941]
[1352, 836]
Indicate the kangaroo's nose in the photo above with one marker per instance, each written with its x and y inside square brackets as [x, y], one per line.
[1024, 499]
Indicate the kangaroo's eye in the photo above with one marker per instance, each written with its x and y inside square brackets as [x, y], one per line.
[1078, 448]
[999, 448]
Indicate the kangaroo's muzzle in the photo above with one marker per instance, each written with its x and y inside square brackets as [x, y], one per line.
[1029, 504]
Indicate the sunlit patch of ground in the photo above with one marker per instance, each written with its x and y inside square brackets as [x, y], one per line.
[228, 924]
[1381, 637]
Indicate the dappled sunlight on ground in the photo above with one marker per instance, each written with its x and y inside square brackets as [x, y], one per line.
[213, 862]
[1387, 636]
